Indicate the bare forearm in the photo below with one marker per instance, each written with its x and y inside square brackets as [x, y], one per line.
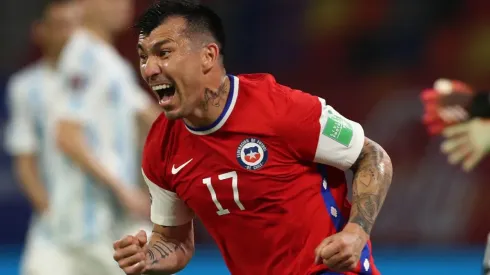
[167, 256]
[372, 178]
[28, 175]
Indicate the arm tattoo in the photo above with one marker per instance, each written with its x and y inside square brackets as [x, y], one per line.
[162, 248]
[372, 178]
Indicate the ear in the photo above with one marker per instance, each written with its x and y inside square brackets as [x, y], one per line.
[210, 56]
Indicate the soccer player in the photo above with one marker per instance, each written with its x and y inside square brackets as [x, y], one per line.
[77, 216]
[30, 96]
[261, 164]
[98, 125]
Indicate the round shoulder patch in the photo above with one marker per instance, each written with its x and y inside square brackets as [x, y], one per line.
[252, 154]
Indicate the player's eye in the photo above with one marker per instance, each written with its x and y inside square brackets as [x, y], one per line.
[163, 53]
[142, 57]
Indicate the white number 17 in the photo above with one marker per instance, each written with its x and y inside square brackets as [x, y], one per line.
[234, 184]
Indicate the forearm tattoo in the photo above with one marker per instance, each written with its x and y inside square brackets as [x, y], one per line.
[162, 248]
[372, 178]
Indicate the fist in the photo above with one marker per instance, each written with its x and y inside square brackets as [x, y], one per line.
[130, 253]
[341, 252]
[445, 104]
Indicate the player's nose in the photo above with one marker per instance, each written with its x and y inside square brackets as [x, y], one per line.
[152, 69]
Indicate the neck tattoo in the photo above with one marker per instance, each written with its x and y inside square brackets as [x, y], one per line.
[213, 98]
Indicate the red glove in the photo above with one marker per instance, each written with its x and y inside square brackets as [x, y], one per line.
[445, 104]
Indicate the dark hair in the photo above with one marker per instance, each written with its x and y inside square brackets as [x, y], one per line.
[200, 19]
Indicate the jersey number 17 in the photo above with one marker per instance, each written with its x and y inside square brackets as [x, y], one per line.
[234, 184]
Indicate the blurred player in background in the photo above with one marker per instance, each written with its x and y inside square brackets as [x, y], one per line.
[98, 132]
[462, 116]
[77, 214]
[33, 95]
[261, 164]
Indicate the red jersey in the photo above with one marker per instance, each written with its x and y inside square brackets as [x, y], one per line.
[266, 178]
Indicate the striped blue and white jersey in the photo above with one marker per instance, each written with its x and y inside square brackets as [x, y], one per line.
[95, 86]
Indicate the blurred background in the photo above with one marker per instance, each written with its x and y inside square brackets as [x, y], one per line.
[370, 60]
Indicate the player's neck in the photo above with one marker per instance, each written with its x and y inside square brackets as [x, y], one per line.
[50, 57]
[212, 104]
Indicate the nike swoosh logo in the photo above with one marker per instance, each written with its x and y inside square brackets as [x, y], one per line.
[176, 170]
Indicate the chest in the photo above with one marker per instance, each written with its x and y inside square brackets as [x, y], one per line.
[230, 175]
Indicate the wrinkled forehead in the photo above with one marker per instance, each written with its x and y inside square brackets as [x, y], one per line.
[173, 29]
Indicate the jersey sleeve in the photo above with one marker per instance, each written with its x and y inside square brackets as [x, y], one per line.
[20, 132]
[77, 69]
[167, 209]
[315, 131]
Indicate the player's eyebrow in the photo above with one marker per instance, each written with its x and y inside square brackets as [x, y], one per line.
[156, 45]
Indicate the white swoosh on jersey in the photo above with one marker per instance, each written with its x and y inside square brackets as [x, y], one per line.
[176, 170]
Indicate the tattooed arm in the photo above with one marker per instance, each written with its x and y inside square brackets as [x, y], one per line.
[372, 178]
[170, 249]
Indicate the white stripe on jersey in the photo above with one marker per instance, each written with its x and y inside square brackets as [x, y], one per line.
[81, 210]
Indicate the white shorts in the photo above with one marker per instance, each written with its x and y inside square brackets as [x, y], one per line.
[44, 258]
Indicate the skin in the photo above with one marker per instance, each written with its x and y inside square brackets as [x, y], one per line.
[373, 173]
[191, 62]
[194, 66]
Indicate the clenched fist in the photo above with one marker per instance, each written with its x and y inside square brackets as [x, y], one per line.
[130, 253]
[341, 252]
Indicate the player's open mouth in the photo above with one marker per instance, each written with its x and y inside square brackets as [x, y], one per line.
[165, 92]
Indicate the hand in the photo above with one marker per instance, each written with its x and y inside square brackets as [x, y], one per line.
[341, 252]
[445, 104]
[467, 142]
[130, 253]
[134, 200]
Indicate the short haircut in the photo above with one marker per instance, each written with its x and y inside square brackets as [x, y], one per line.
[199, 18]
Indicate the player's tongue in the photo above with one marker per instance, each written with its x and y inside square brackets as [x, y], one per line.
[165, 93]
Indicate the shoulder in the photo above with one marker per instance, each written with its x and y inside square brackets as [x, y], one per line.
[155, 146]
[19, 82]
[265, 87]
[79, 54]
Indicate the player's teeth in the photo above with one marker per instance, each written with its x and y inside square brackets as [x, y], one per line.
[159, 87]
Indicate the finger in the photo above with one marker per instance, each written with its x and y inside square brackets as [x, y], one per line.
[471, 161]
[318, 249]
[132, 260]
[457, 156]
[142, 237]
[456, 130]
[116, 244]
[453, 144]
[126, 241]
[336, 260]
[127, 252]
[348, 265]
[135, 269]
[460, 113]
[330, 250]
